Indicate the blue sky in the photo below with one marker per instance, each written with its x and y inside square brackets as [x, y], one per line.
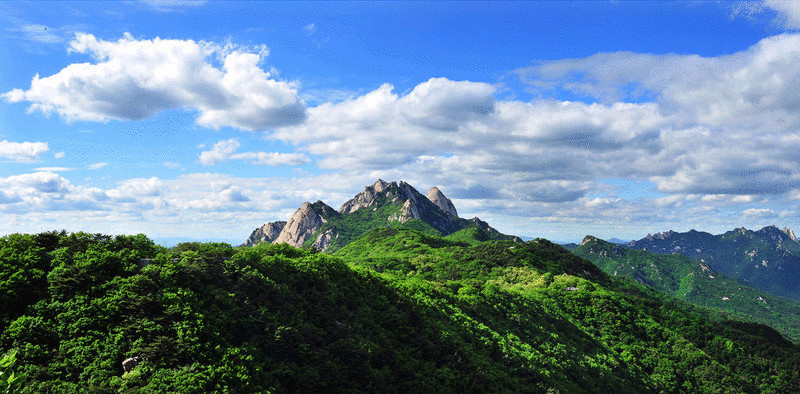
[204, 120]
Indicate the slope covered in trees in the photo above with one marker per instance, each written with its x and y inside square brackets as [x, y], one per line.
[768, 259]
[396, 311]
[695, 282]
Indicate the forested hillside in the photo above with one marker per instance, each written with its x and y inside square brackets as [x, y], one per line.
[695, 282]
[768, 259]
[395, 311]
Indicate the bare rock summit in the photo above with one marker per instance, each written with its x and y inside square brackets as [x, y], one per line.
[266, 233]
[438, 198]
[305, 221]
[367, 198]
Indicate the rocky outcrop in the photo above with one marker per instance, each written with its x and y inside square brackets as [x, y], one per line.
[302, 225]
[324, 239]
[493, 233]
[437, 211]
[407, 212]
[130, 363]
[789, 233]
[369, 197]
[438, 198]
[266, 233]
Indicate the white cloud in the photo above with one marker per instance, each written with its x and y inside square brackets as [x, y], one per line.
[172, 165]
[44, 182]
[455, 133]
[309, 29]
[758, 212]
[133, 79]
[135, 188]
[220, 152]
[789, 11]
[59, 155]
[223, 151]
[25, 152]
[97, 166]
[723, 125]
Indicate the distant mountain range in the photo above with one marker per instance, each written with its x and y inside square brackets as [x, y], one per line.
[767, 259]
[383, 204]
[695, 282]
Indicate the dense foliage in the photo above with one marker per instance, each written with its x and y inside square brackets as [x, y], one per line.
[695, 282]
[395, 311]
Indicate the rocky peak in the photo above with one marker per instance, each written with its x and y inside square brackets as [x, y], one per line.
[305, 221]
[490, 230]
[789, 233]
[413, 205]
[266, 233]
[660, 236]
[587, 240]
[777, 235]
[369, 196]
[438, 198]
[379, 185]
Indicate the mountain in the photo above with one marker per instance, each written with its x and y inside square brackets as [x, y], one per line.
[767, 259]
[381, 204]
[396, 310]
[695, 282]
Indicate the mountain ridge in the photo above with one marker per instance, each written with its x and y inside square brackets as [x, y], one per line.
[381, 204]
[768, 259]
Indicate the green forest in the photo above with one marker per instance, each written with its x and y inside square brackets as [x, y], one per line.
[394, 311]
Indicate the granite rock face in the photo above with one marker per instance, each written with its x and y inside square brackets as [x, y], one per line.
[438, 198]
[266, 233]
[367, 198]
[301, 226]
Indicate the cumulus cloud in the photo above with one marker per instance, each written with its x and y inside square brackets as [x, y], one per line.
[224, 151]
[725, 125]
[133, 79]
[382, 129]
[25, 152]
[742, 89]
[44, 182]
[758, 212]
[457, 130]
